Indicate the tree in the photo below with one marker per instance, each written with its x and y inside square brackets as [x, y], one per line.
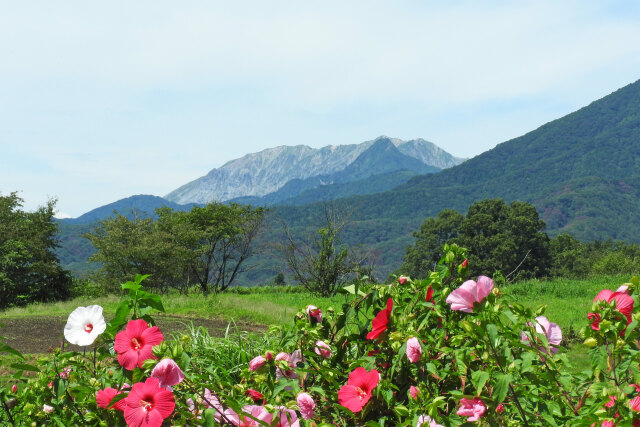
[324, 265]
[499, 237]
[207, 246]
[29, 267]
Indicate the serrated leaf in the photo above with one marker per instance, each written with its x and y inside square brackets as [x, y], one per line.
[501, 387]
[479, 379]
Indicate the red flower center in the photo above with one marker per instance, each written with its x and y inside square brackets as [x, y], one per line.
[147, 406]
[88, 328]
[361, 393]
[135, 344]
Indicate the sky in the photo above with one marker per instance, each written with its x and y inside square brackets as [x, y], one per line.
[103, 100]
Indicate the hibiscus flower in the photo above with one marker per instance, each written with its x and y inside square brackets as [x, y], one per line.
[306, 405]
[379, 324]
[624, 304]
[323, 349]
[550, 330]
[147, 404]
[134, 345]
[242, 420]
[292, 362]
[355, 395]
[84, 325]
[414, 350]
[470, 292]
[472, 408]
[168, 373]
[104, 397]
[314, 314]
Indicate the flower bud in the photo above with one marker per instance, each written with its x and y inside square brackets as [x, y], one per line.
[590, 342]
[396, 336]
[14, 388]
[467, 326]
[149, 363]
[176, 351]
[11, 403]
[158, 350]
[402, 280]
[268, 356]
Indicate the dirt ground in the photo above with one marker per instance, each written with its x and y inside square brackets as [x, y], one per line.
[41, 334]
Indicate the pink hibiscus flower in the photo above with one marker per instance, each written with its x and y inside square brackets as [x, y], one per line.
[472, 408]
[134, 345]
[257, 363]
[550, 330]
[306, 405]
[381, 321]
[414, 392]
[624, 304]
[286, 417]
[292, 362]
[260, 414]
[147, 405]
[470, 292]
[314, 314]
[104, 397]
[414, 350]
[168, 373]
[323, 349]
[355, 395]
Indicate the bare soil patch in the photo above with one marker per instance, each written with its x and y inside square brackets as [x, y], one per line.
[42, 334]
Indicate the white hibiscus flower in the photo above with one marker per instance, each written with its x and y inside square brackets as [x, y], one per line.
[84, 325]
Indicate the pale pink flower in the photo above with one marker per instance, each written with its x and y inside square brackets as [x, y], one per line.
[257, 363]
[168, 373]
[472, 408]
[306, 405]
[549, 329]
[427, 421]
[286, 417]
[84, 325]
[323, 349]
[414, 392]
[65, 372]
[242, 420]
[470, 292]
[48, 409]
[292, 361]
[624, 289]
[414, 350]
[314, 313]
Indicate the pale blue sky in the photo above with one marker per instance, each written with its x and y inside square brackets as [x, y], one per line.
[100, 102]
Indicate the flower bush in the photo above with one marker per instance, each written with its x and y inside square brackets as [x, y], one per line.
[444, 351]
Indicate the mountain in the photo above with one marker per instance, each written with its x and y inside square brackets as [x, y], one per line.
[141, 205]
[581, 171]
[259, 174]
[380, 167]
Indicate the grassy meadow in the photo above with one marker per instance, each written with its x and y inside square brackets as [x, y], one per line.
[567, 303]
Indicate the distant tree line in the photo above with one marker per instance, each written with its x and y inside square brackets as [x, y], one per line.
[206, 247]
[511, 239]
[29, 268]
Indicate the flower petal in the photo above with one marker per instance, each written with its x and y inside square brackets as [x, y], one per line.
[485, 285]
[152, 336]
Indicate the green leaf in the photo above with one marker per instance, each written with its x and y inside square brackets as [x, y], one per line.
[4, 348]
[492, 331]
[25, 367]
[479, 379]
[527, 359]
[117, 398]
[209, 417]
[60, 386]
[152, 300]
[501, 387]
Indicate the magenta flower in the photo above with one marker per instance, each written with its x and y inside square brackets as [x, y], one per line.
[147, 405]
[134, 345]
[306, 405]
[470, 292]
[257, 363]
[414, 350]
[168, 373]
[14, 388]
[634, 404]
[472, 408]
[104, 396]
[381, 321]
[357, 392]
[314, 314]
[414, 392]
[624, 303]
[323, 349]
[550, 330]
